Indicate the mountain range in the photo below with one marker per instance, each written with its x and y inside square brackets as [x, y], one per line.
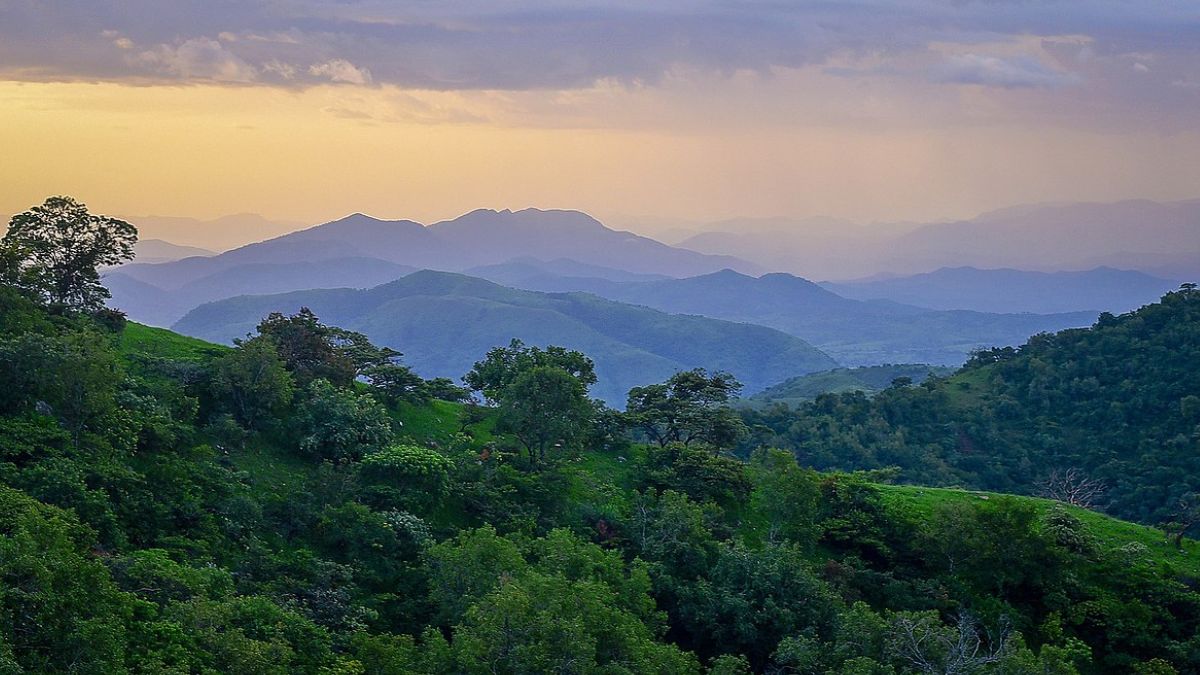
[361, 252]
[852, 331]
[1102, 289]
[159, 251]
[1159, 238]
[444, 322]
[936, 318]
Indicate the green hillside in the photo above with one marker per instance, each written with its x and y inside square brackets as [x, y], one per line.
[1117, 404]
[867, 379]
[444, 322]
[301, 503]
[137, 340]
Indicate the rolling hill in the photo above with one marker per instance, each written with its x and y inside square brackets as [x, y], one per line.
[867, 379]
[852, 331]
[444, 322]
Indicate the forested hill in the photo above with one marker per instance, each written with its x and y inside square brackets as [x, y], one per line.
[1116, 406]
[164, 509]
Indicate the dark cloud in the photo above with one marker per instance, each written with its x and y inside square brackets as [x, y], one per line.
[523, 44]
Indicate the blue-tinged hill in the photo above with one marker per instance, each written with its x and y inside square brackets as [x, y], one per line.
[444, 322]
[854, 332]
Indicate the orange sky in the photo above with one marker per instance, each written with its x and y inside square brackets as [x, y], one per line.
[710, 113]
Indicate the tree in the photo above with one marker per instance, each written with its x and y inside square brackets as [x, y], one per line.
[252, 381]
[73, 376]
[1184, 517]
[920, 641]
[394, 382]
[787, 496]
[407, 475]
[542, 394]
[307, 348]
[341, 425]
[1072, 486]
[543, 407]
[504, 364]
[687, 408]
[56, 251]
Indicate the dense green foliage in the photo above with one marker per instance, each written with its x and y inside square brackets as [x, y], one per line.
[1115, 406]
[129, 544]
[148, 525]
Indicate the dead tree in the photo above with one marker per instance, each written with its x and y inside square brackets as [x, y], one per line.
[1074, 487]
[930, 646]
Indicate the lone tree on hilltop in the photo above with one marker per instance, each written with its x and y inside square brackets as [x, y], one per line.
[55, 252]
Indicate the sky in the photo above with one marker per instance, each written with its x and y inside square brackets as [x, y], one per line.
[884, 110]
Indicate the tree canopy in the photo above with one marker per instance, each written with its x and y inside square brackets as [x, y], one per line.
[56, 251]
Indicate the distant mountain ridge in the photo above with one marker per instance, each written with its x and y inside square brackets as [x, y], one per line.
[159, 251]
[1159, 238]
[479, 238]
[444, 322]
[852, 331]
[216, 234]
[1102, 289]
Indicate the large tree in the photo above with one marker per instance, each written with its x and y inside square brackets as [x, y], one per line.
[542, 394]
[545, 407]
[503, 365]
[253, 382]
[56, 251]
[313, 350]
[690, 407]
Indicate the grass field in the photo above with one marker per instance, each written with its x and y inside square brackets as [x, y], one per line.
[162, 343]
[1110, 533]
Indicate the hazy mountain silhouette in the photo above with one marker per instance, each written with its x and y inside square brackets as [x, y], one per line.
[444, 322]
[217, 234]
[360, 251]
[527, 268]
[1137, 234]
[1159, 238]
[159, 251]
[1007, 290]
[148, 303]
[852, 331]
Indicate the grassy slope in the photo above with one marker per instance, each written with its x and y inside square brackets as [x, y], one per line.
[161, 343]
[921, 502]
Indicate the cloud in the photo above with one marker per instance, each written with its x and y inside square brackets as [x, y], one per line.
[574, 44]
[994, 71]
[197, 58]
[341, 70]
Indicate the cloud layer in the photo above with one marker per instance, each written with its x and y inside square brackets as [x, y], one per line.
[523, 44]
